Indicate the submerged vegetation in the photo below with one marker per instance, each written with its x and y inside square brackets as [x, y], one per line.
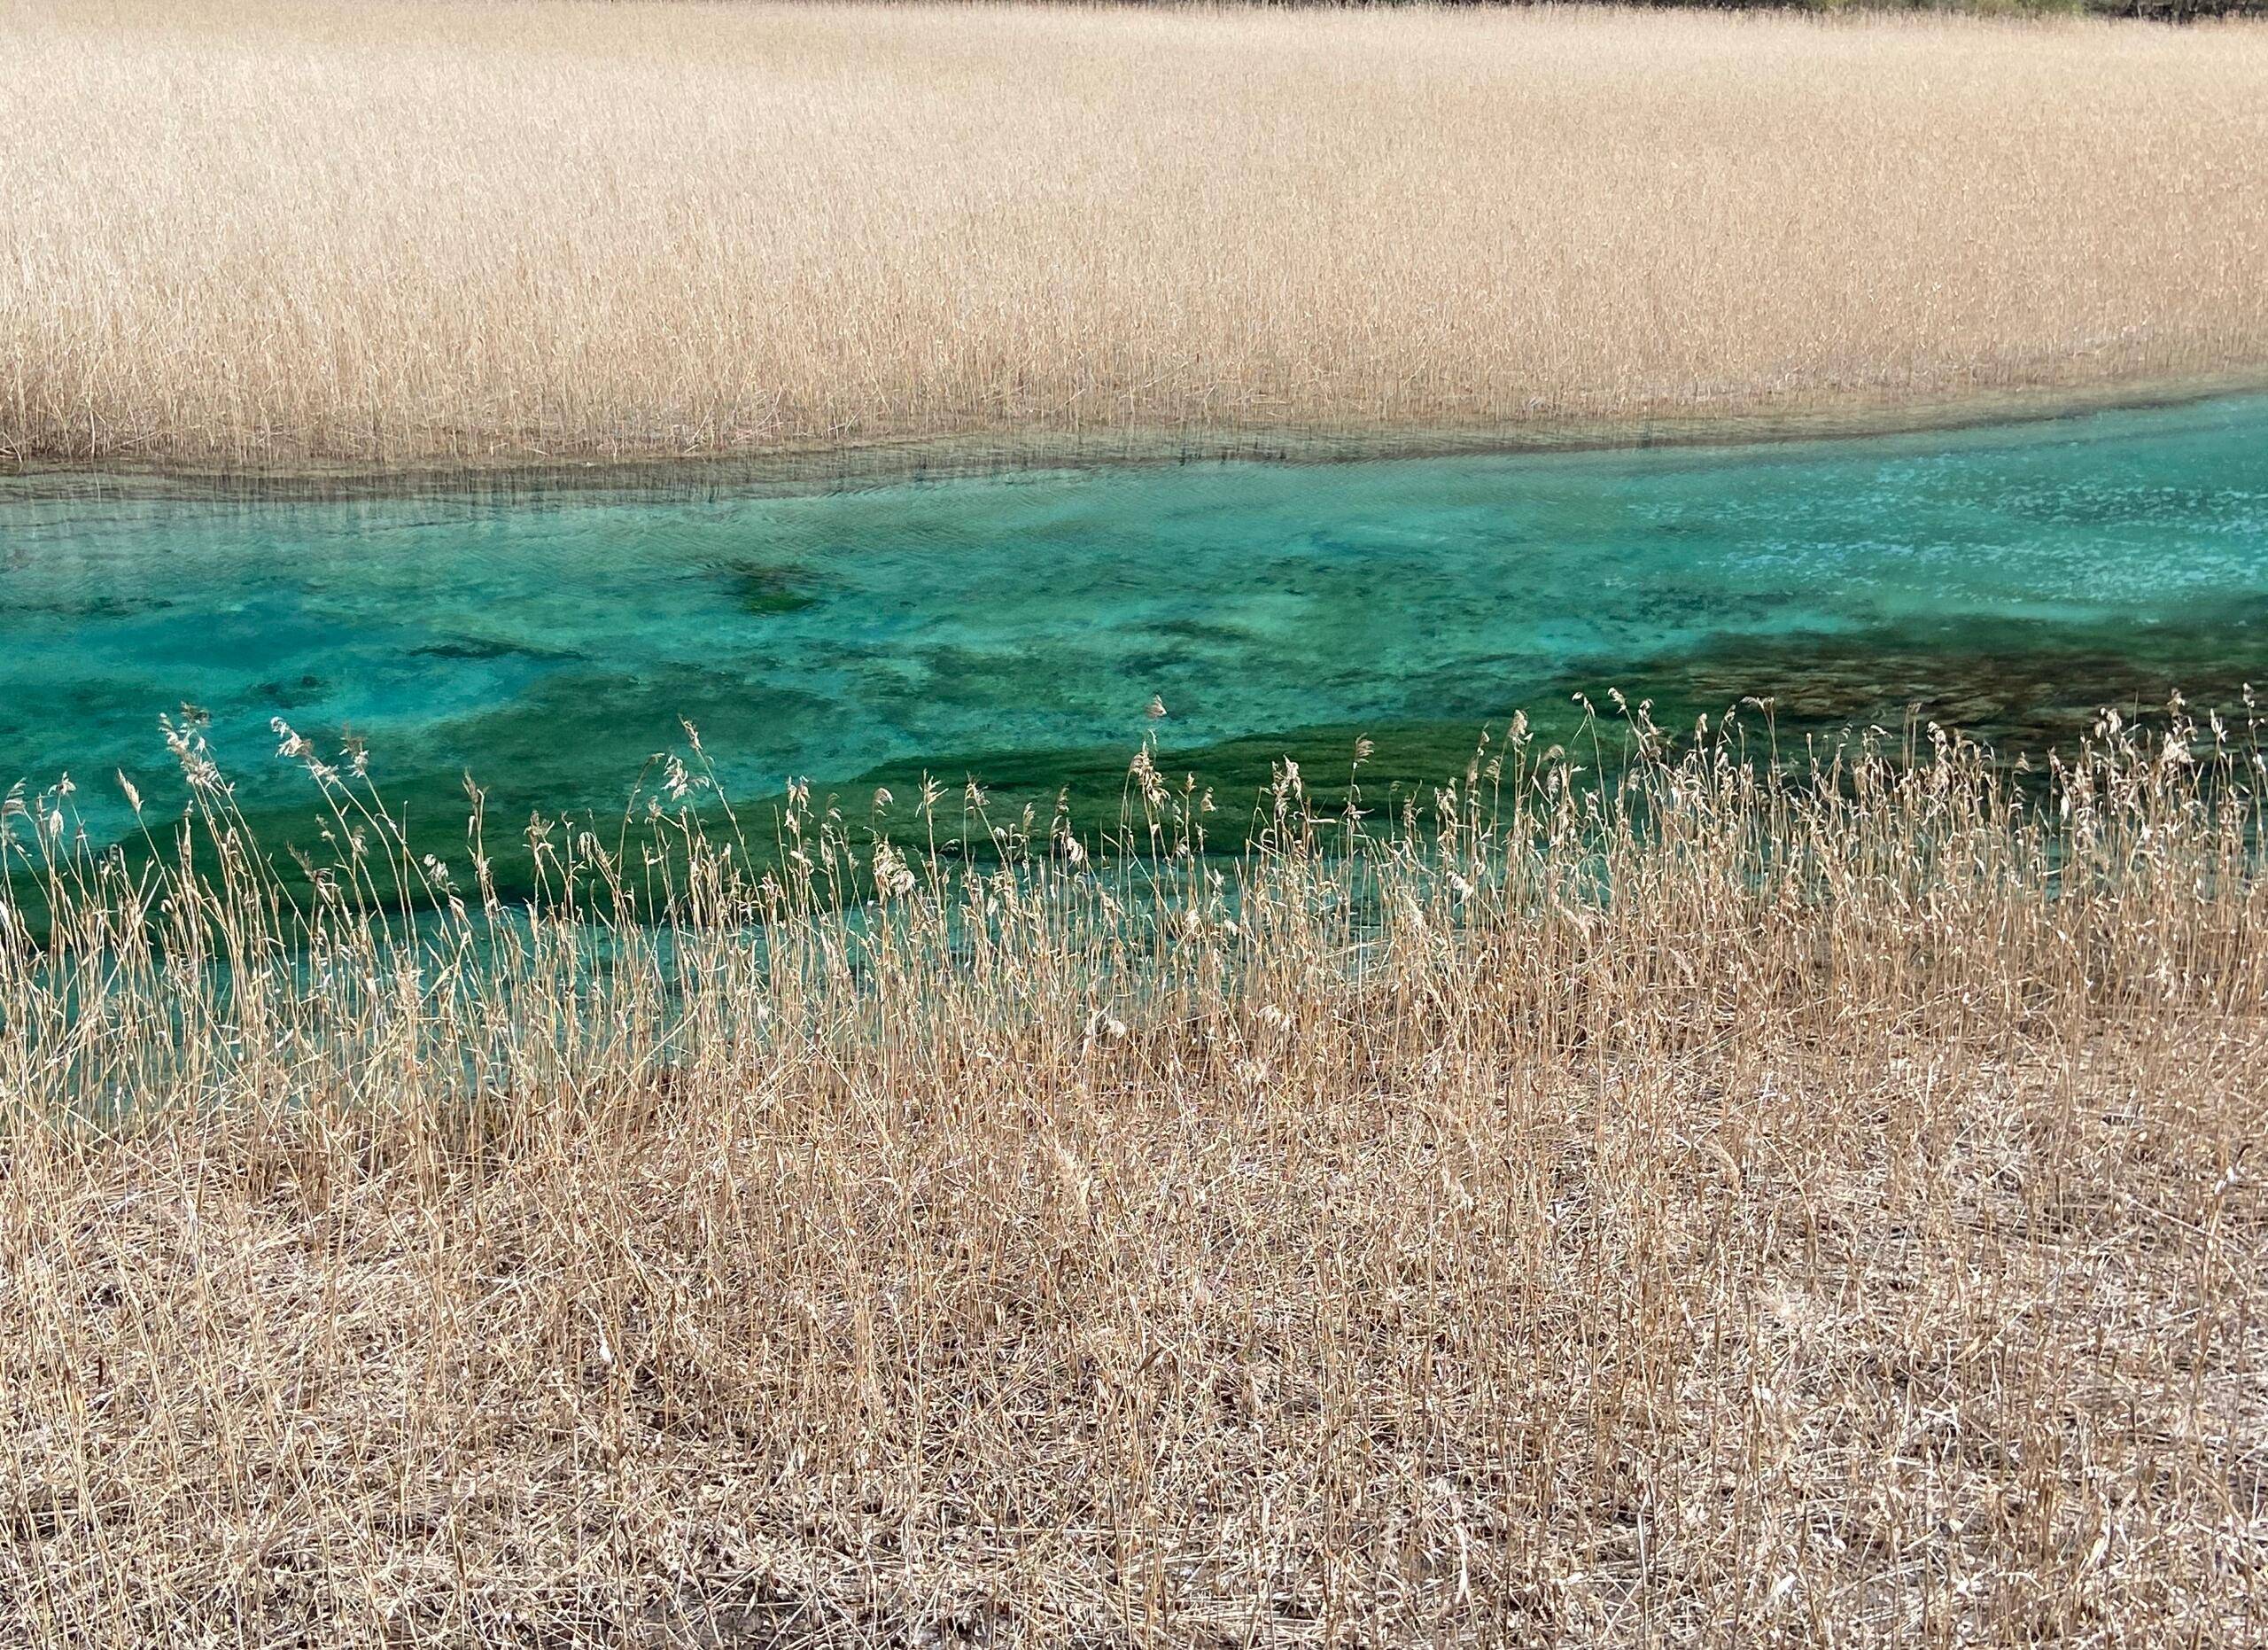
[264, 233]
[1663, 1196]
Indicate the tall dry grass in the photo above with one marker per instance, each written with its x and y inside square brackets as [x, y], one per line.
[1722, 1205]
[238, 232]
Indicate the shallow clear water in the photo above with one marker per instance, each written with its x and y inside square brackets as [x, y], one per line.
[2010, 579]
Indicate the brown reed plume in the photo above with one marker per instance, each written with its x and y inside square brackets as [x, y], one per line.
[1712, 1203]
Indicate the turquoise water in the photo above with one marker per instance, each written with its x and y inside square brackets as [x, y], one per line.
[2010, 579]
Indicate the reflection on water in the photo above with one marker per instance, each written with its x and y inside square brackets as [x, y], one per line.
[2007, 579]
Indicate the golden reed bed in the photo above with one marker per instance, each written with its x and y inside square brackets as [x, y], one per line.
[241, 233]
[1852, 1232]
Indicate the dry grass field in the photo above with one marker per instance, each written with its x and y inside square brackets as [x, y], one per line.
[239, 232]
[1851, 1231]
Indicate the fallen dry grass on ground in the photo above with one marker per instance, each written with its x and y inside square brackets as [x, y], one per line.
[1851, 1231]
[234, 232]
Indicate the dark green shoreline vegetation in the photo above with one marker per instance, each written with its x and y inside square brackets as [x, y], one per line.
[410, 845]
[2003, 684]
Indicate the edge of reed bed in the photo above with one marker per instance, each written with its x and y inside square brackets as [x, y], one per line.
[892, 460]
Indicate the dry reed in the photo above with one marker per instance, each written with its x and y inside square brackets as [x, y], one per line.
[240, 233]
[1722, 1205]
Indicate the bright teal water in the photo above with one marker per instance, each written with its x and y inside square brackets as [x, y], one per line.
[2010, 579]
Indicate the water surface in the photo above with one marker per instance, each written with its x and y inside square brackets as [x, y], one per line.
[2010, 579]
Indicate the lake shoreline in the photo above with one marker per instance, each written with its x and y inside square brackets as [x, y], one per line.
[889, 461]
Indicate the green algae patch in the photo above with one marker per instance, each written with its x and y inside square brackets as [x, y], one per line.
[769, 593]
